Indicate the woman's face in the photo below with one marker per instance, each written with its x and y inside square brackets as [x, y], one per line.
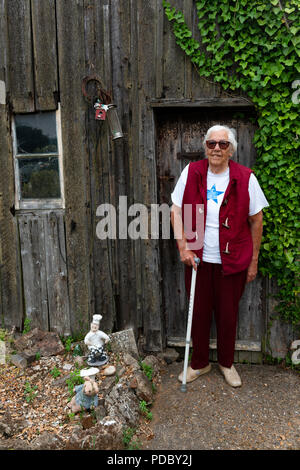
[217, 158]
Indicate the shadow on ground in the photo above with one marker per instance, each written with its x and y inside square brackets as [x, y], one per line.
[262, 414]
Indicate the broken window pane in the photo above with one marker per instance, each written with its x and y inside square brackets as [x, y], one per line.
[39, 178]
[36, 133]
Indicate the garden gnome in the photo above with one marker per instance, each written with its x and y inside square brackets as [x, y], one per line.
[95, 340]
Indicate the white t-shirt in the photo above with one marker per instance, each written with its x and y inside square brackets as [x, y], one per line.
[216, 187]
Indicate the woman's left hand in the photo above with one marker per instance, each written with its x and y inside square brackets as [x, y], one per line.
[252, 271]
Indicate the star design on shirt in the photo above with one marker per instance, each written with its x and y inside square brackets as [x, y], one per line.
[213, 194]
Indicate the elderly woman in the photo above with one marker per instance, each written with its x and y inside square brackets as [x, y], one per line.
[232, 202]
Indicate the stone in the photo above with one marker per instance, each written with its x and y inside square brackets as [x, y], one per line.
[30, 357]
[133, 383]
[61, 381]
[109, 370]
[123, 404]
[120, 371]
[106, 434]
[124, 341]
[87, 422]
[142, 386]
[67, 367]
[45, 343]
[100, 411]
[107, 384]
[9, 426]
[79, 360]
[47, 441]
[18, 361]
[154, 363]
[169, 355]
[130, 361]
[14, 444]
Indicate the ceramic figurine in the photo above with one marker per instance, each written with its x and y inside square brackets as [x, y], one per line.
[86, 396]
[96, 340]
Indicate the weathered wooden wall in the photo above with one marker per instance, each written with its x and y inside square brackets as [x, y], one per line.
[50, 46]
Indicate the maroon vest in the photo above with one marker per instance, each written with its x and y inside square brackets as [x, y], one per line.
[235, 239]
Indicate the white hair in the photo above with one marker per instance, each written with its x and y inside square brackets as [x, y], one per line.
[230, 131]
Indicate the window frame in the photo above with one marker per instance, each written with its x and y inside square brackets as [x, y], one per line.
[39, 203]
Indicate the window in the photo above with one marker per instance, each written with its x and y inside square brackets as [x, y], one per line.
[38, 160]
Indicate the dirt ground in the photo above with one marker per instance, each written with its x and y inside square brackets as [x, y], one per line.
[263, 414]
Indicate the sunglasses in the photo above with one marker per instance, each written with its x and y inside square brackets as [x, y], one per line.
[223, 144]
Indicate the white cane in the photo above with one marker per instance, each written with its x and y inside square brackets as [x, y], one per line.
[189, 325]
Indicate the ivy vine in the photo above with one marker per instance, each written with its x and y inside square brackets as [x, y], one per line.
[253, 46]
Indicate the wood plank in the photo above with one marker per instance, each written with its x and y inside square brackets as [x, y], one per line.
[250, 324]
[10, 269]
[4, 42]
[57, 276]
[135, 155]
[150, 256]
[44, 52]
[240, 345]
[120, 37]
[188, 11]
[172, 271]
[239, 102]
[20, 56]
[246, 150]
[159, 48]
[71, 53]
[201, 87]
[174, 61]
[101, 163]
[11, 305]
[32, 242]
[278, 335]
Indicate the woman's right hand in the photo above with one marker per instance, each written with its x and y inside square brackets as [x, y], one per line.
[188, 258]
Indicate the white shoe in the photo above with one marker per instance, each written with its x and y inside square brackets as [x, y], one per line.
[231, 376]
[192, 374]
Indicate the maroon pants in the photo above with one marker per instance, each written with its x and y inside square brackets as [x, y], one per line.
[219, 294]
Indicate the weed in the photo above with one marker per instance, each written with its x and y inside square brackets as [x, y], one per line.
[37, 356]
[75, 379]
[68, 343]
[283, 362]
[55, 372]
[130, 444]
[147, 370]
[27, 325]
[3, 334]
[29, 392]
[144, 410]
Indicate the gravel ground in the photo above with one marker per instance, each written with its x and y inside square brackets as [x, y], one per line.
[263, 414]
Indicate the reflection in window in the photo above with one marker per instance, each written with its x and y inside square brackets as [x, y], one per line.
[39, 178]
[36, 133]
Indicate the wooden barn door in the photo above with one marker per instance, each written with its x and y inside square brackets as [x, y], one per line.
[180, 133]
